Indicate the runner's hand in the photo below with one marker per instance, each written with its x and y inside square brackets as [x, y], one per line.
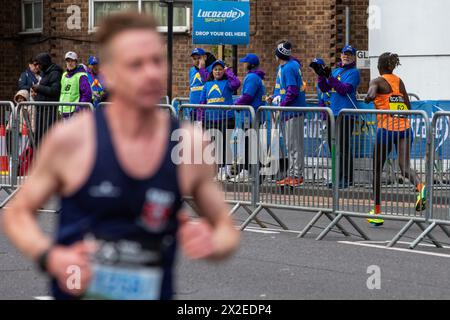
[196, 237]
[71, 266]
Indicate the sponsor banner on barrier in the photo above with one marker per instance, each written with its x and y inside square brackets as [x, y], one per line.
[365, 126]
[221, 22]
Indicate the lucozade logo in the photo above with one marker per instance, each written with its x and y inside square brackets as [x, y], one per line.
[211, 16]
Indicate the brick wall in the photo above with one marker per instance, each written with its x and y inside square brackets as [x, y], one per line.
[315, 27]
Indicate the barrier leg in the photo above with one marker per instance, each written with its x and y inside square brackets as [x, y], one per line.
[259, 222]
[400, 234]
[8, 198]
[277, 219]
[234, 209]
[329, 227]
[338, 225]
[250, 218]
[310, 224]
[423, 235]
[429, 235]
[191, 204]
[358, 229]
[444, 229]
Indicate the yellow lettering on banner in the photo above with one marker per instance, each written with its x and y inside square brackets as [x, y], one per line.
[282, 91]
[216, 100]
[197, 88]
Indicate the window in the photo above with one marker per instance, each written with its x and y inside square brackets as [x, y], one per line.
[32, 15]
[102, 8]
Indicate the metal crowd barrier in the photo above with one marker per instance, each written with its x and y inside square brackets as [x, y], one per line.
[7, 129]
[295, 162]
[398, 198]
[165, 100]
[178, 101]
[30, 122]
[229, 130]
[439, 166]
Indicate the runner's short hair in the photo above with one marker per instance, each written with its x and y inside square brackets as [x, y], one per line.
[115, 24]
[388, 61]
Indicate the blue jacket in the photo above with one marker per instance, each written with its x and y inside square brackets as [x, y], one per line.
[197, 78]
[253, 89]
[217, 93]
[27, 80]
[291, 76]
[342, 86]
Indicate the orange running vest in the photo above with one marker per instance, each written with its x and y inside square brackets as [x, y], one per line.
[392, 101]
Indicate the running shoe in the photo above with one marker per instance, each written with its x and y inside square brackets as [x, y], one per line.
[375, 222]
[421, 200]
[294, 182]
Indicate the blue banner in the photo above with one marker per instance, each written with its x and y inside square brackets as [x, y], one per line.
[221, 22]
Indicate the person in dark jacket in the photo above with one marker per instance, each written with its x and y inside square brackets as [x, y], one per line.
[29, 77]
[48, 89]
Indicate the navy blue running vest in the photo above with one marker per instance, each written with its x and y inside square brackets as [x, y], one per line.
[113, 207]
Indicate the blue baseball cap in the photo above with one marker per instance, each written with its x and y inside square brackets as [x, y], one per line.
[319, 61]
[218, 62]
[349, 49]
[251, 59]
[93, 60]
[198, 51]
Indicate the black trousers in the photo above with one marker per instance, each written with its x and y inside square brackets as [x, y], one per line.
[345, 156]
[225, 126]
[46, 117]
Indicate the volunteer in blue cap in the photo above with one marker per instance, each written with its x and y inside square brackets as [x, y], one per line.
[198, 75]
[96, 82]
[218, 90]
[342, 83]
[253, 91]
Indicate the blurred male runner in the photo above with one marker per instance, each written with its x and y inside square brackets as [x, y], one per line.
[119, 185]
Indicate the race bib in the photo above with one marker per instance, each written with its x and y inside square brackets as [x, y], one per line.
[125, 270]
[122, 283]
[397, 103]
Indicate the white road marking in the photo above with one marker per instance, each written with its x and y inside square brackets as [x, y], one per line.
[260, 231]
[273, 230]
[402, 242]
[442, 255]
[44, 298]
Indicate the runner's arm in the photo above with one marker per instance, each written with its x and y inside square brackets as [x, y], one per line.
[220, 237]
[19, 222]
[373, 90]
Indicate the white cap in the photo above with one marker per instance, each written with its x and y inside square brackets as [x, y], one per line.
[71, 55]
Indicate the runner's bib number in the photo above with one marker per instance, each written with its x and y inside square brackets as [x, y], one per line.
[397, 103]
[124, 283]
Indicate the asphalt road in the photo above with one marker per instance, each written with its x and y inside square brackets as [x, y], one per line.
[272, 264]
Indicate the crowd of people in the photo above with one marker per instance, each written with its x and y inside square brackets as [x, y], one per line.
[121, 200]
[46, 81]
[213, 84]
